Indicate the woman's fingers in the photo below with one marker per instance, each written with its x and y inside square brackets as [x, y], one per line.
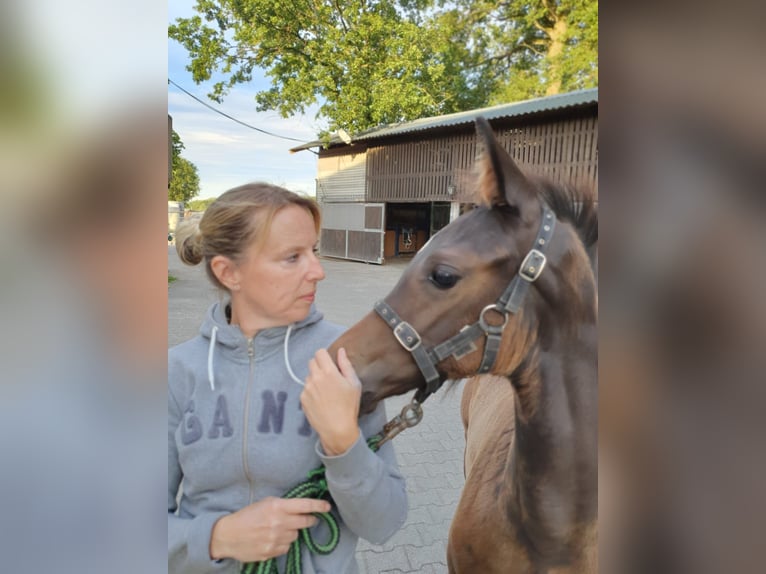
[299, 512]
[323, 363]
[304, 505]
[323, 360]
[266, 528]
[300, 521]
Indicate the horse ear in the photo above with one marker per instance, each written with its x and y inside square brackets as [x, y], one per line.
[501, 182]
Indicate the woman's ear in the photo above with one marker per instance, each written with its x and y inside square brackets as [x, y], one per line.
[226, 272]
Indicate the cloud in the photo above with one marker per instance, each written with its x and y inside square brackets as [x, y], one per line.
[226, 153]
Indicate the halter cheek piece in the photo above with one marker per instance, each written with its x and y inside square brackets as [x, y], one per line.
[463, 343]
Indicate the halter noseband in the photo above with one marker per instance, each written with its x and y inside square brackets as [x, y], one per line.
[463, 343]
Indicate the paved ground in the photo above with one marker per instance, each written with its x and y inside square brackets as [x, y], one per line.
[430, 454]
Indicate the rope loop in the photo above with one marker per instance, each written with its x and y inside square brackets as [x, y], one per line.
[315, 486]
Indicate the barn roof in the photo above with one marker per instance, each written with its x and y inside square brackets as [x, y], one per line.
[527, 107]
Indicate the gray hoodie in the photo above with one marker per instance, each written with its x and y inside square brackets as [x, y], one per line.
[236, 434]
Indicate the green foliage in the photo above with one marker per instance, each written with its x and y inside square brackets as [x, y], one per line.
[200, 204]
[177, 144]
[372, 62]
[184, 182]
[579, 67]
[534, 48]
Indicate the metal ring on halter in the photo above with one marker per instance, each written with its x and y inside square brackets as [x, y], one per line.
[412, 413]
[493, 329]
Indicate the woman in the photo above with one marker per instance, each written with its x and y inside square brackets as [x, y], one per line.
[242, 427]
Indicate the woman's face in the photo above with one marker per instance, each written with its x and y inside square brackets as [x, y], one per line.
[277, 283]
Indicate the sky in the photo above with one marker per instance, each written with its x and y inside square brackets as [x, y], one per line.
[228, 154]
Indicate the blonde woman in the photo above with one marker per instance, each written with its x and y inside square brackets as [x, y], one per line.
[255, 402]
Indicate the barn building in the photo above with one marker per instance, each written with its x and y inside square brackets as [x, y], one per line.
[385, 191]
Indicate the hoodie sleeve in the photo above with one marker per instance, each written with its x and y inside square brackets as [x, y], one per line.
[188, 538]
[367, 487]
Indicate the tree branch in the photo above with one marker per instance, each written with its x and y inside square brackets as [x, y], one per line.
[531, 49]
[340, 13]
[496, 58]
[551, 9]
[544, 30]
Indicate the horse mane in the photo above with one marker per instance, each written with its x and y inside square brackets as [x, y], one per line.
[576, 204]
[573, 204]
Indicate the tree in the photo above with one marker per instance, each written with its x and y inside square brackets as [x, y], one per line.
[533, 47]
[373, 62]
[200, 204]
[367, 62]
[184, 182]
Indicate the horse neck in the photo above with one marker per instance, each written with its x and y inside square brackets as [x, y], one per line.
[552, 464]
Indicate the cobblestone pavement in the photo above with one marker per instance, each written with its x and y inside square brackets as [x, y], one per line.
[430, 455]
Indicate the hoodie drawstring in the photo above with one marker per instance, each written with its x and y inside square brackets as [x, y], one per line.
[210, 376]
[211, 349]
[287, 358]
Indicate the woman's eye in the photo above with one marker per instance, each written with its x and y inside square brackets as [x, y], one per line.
[293, 258]
[443, 278]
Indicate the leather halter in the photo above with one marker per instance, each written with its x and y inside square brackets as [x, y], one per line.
[463, 343]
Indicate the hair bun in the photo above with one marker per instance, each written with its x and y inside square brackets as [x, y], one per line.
[189, 242]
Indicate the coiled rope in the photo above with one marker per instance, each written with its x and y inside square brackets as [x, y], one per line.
[315, 486]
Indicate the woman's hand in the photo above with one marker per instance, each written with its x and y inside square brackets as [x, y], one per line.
[264, 529]
[330, 401]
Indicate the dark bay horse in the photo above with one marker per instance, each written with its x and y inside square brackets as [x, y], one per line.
[506, 290]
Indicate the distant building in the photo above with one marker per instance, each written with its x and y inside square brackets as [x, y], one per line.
[175, 214]
[386, 191]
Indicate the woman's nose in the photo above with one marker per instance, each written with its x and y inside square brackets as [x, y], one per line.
[316, 272]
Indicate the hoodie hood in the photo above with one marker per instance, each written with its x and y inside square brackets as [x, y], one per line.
[218, 331]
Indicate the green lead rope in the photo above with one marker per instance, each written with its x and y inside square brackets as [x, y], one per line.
[313, 487]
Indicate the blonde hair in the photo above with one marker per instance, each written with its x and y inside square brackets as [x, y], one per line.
[234, 221]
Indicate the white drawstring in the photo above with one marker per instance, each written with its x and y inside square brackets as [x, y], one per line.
[287, 359]
[210, 376]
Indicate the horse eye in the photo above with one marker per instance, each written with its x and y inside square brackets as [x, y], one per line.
[443, 278]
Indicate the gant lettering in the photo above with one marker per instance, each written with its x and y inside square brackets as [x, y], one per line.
[218, 424]
[191, 427]
[273, 412]
[221, 423]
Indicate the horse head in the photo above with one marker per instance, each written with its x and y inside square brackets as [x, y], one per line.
[456, 288]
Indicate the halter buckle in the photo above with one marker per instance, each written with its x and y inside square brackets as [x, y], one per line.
[407, 336]
[532, 266]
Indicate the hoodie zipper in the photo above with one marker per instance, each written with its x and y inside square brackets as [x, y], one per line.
[251, 355]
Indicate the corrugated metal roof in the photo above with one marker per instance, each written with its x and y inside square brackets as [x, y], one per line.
[527, 107]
